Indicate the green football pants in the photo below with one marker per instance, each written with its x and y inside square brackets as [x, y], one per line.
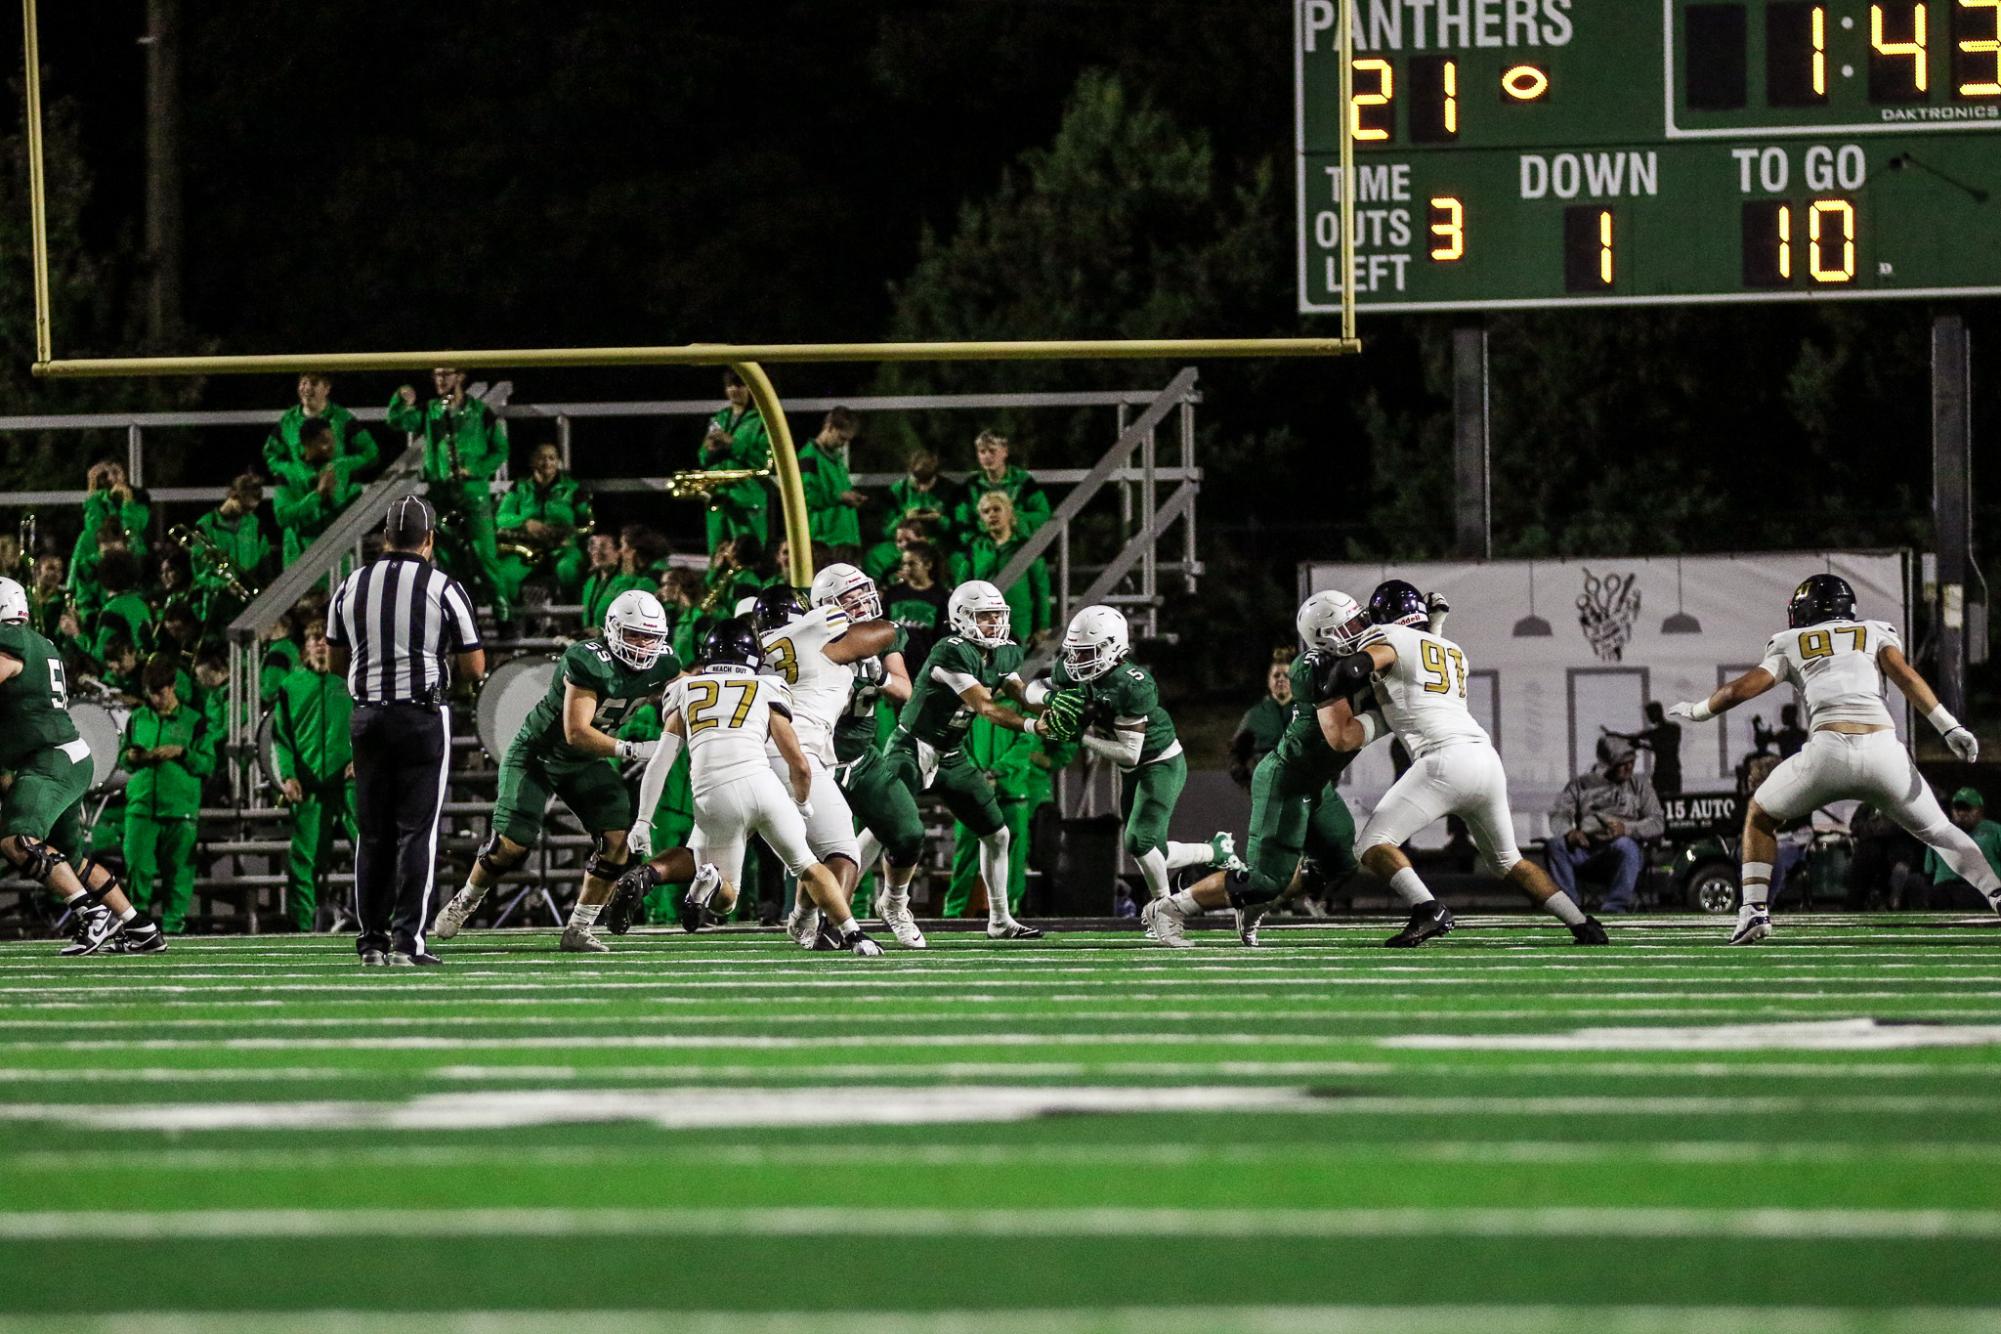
[1016, 812]
[961, 786]
[1292, 817]
[160, 867]
[884, 806]
[1147, 796]
[325, 815]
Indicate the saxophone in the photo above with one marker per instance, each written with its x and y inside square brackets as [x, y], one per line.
[202, 551]
[702, 483]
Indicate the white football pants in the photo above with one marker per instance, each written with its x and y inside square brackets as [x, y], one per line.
[757, 803]
[830, 829]
[1465, 780]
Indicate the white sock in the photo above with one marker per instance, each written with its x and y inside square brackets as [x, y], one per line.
[72, 898]
[473, 893]
[845, 925]
[1185, 904]
[585, 913]
[1563, 908]
[129, 913]
[1409, 886]
[1153, 865]
[894, 897]
[994, 870]
[1758, 885]
[1181, 856]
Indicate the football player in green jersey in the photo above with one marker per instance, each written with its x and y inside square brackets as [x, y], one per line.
[562, 750]
[1115, 708]
[51, 771]
[957, 683]
[1301, 830]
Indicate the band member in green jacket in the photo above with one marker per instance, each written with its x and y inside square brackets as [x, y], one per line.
[465, 447]
[314, 759]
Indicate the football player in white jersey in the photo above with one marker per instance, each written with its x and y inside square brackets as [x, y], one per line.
[1852, 750]
[727, 711]
[1420, 687]
[815, 653]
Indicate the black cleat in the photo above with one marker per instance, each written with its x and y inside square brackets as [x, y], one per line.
[1590, 932]
[857, 942]
[628, 896]
[1430, 920]
[94, 928]
[374, 959]
[1013, 931]
[398, 959]
[701, 892]
[142, 935]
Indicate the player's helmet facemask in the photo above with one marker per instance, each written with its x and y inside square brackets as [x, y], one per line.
[1096, 642]
[635, 629]
[1396, 602]
[979, 613]
[733, 641]
[13, 603]
[854, 591]
[1333, 621]
[1821, 597]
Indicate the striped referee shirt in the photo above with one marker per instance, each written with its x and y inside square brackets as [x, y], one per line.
[399, 617]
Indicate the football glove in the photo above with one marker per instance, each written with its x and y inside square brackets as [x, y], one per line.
[1696, 711]
[870, 671]
[1436, 603]
[639, 841]
[1963, 744]
[1063, 716]
[636, 750]
[1335, 677]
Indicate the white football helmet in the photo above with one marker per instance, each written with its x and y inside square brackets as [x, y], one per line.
[969, 602]
[635, 629]
[1331, 620]
[1096, 642]
[13, 603]
[851, 589]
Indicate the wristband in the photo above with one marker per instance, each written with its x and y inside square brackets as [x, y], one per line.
[1701, 712]
[1037, 691]
[1030, 725]
[1941, 718]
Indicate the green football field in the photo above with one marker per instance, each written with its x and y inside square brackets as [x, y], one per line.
[1499, 1133]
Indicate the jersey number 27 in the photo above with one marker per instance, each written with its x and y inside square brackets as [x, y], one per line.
[700, 719]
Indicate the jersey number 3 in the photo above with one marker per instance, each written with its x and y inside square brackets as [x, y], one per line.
[1432, 655]
[700, 719]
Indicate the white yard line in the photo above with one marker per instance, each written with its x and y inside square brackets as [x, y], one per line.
[264, 1225]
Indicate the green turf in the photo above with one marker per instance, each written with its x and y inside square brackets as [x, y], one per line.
[1083, 1133]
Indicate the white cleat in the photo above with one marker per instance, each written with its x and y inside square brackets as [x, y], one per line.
[901, 921]
[453, 915]
[1752, 927]
[804, 928]
[1164, 922]
[583, 940]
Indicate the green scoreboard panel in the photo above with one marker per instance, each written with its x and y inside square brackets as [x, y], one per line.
[1515, 154]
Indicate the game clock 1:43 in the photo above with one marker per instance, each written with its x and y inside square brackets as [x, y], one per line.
[1546, 153]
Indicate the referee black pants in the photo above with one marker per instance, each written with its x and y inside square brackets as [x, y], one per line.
[400, 755]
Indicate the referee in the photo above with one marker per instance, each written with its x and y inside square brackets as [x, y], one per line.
[391, 624]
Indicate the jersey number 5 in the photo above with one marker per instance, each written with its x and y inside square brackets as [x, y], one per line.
[1820, 643]
[1432, 655]
[699, 717]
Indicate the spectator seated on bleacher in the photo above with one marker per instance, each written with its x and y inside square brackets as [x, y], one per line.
[123, 613]
[541, 518]
[989, 553]
[285, 450]
[1600, 825]
[916, 600]
[231, 550]
[313, 491]
[996, 473]
[737, 439]
[833, 506]
[927, 496]
[638, 548]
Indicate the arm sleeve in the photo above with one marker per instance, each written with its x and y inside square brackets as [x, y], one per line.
[1886, 636]
[1033, 503]
[653, 782]
[1776, 662]
[956, 682]
[1121, 748]
[1653, 821]
[1563, 815]
[461, 625]
[284, 751]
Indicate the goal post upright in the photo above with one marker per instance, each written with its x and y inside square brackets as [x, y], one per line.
[38, 210]
[1347, 123]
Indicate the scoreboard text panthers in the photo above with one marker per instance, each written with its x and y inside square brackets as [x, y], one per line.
[1540, 153]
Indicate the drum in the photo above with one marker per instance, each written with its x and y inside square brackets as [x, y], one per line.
[102, 730]
[513, 688]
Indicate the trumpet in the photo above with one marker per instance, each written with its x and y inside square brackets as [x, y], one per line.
[202, 550]
[535, 551]
[701, 483]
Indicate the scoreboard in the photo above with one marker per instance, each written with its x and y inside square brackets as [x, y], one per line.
[1517, 154]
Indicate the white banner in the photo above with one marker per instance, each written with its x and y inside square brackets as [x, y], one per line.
[1559, 650]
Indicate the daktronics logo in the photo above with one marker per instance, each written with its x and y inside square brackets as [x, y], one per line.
[1905, 115]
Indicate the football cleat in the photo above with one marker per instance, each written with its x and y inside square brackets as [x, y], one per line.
[453, 915]
[694, 907]
[398, 959]
[896, 915]
[1752, 927]
[1164, 922]
[374, 958]
[1590, 931]
[1223, 852]
[804, 928]
[142, 935]
[1012, 930]
[857, 943]
[1248, 920]
[95, 926]
[628, 897]
[1429, 920]
[582, 940]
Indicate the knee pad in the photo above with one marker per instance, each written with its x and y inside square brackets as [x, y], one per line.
[85, 865]
[603, 867]
[37, 861]
[1136, 847]
[903, 854]
[492, 859]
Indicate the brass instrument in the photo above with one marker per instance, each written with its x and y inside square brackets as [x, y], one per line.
[202, 550]
[450, 420]
[535, 552]
[26, 559]
[701, 483]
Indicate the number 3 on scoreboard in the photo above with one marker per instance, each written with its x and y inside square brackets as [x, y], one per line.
[1973, 56]
[1448, 224]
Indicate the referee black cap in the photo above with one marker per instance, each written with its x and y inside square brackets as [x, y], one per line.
[410, 520]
